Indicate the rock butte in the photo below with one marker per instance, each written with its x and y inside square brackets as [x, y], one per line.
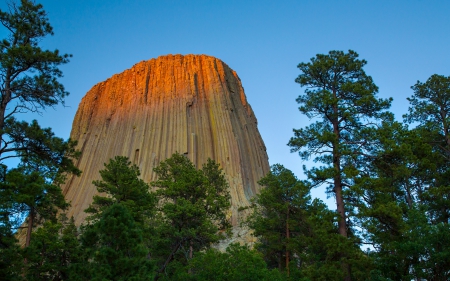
[192, 104]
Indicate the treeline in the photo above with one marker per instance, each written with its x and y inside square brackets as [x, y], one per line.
[390, 180]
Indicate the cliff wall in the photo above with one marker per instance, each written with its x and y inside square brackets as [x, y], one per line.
[193, 104]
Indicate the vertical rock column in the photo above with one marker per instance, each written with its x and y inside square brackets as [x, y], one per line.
[192, 104]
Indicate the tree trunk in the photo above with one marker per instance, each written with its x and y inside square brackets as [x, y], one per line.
[287, 242]
[191, 254]
[408, 196]
[342, 225]
[340, 207]
[168, 260]
[443, 115]
[342, 220]
[5, 99]
[191, 250]
[338, 181]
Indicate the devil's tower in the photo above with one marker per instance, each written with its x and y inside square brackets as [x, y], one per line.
[192, 104]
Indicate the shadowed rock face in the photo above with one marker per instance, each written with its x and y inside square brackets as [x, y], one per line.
[192, 104]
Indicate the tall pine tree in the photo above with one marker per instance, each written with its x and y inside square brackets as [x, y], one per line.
[343, 98]
[193, 205]
[120, 226]
[280, 216]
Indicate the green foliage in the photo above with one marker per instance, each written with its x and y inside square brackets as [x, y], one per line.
[29, 73]
[40, 150]
[119, 229]
[25, 192]
[342, 97]
[428, 220]
[33, 187]
[29, 76]
[319, 247]
[193, 205]
[122, 185]
[340, 94]
[403, 193]
[237, 263]
[294, 230]
[338, 81]
[11, 261]
[279, 216]
[30, 191]
[54, 251]
[115, 248]
[418, 251]
[430, 105]
[191, 210]
[29, 84]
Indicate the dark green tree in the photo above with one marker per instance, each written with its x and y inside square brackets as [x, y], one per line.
[28, 83]
[427, 185]
[54, 251]
[30, 193]
[119, 226]
[236, 263]
[115, 248]
[386, 192]
[404, 193]
[279, 216]
[33, 190]
[193, 205]
[122, 185]
[34, 187]
[10, 258]
[296, 235]
[430, 109]
[9, 250]
[395, 212]
[343, 97]
[28, 80]
[321, 249]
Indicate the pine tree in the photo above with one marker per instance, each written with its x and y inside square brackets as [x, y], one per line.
[394, 209]
[279, 216]
[29, 192]
[343, 97]
[386, 193]
[29, 83]
[297, 235]
[430, 108]
[54, 252]
[117, 233]
[193, 205]
[28, 80]
[122, 185]
[115, 248]
[236, 263]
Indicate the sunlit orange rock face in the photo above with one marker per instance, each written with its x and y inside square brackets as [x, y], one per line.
[192, 104]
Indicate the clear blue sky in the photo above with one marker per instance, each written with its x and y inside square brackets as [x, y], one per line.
[403, 41]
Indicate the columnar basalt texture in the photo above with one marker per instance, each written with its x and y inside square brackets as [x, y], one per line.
[192, 104]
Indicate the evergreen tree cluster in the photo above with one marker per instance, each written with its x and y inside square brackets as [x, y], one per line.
[390, 179]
